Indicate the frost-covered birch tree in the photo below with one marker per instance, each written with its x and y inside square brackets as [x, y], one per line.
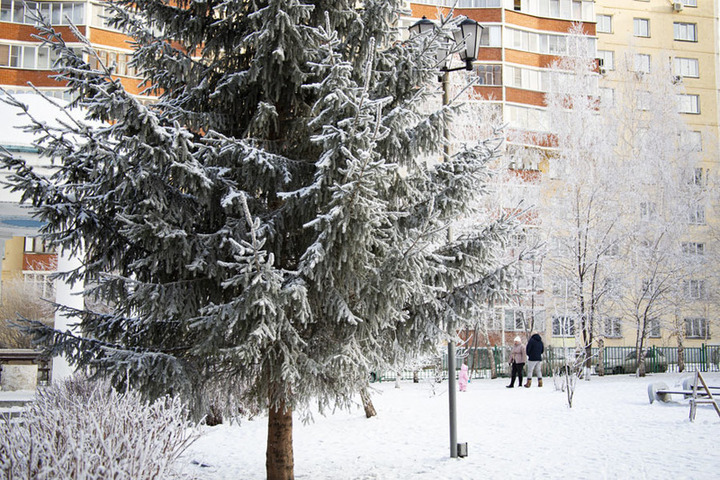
[582, 211]
[270, 222]
[658, 168]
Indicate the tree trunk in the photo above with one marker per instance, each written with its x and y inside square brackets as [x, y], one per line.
[279, 456]
[601, 358]
[491, 356]
[367, 403]
[681, 351]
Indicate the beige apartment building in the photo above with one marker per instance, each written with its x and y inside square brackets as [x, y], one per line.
[685, 34]
[521, 39]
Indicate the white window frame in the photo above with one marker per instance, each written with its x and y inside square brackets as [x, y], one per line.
[696, 215]
[641, 63]
[685, 32]
[693, 248]
[654, 330]
[696, 327]
[612, 327]
[40, 282]
[608, 59]
[689, 103]
[604, 23]
[641, 27]
[687, 67]
[694, 289]
[563, 326]
[514, 320]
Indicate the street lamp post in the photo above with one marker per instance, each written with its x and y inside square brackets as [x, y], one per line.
[468, 35]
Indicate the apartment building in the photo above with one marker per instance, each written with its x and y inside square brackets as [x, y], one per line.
[520, 41]
[683, 33]
[23, 59]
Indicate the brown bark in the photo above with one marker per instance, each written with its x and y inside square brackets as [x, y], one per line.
[279, 463]
[367, 403]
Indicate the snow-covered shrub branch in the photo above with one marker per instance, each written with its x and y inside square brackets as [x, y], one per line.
[84, 430]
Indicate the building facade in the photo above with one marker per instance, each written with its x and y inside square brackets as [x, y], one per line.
[521, 39]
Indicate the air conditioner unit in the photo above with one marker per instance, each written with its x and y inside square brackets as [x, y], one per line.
[678, 6]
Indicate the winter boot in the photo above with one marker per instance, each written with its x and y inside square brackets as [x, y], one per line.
[539, 382]
[529, 382]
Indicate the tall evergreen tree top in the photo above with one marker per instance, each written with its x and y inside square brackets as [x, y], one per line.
[272, 220]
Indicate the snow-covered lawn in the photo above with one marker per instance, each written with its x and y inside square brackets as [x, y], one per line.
[612, 431]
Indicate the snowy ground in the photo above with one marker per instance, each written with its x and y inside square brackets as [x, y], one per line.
[612, 431]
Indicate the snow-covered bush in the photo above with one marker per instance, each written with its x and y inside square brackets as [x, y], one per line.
[85, 430]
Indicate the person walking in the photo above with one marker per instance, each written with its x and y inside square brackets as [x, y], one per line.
[518, 358]
[534, 349]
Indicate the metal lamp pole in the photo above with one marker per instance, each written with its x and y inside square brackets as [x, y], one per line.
[468, 34]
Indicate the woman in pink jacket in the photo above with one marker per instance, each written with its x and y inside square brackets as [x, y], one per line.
[518, 357]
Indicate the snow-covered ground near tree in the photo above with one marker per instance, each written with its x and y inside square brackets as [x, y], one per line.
[612, 431]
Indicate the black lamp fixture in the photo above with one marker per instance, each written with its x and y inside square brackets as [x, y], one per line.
[467, 34]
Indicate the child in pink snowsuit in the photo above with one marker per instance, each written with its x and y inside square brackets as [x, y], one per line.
[463, 378]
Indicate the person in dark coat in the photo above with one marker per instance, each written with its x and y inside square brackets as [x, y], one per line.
[534, 350]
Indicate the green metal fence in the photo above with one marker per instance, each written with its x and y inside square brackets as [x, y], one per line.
[482, 362]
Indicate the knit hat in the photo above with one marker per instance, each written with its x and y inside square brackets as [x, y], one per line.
[517, 339]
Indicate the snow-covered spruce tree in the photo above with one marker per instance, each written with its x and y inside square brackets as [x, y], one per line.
[270, 220]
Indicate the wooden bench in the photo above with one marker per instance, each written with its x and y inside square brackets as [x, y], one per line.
[699, 394]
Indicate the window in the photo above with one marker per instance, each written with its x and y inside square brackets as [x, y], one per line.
[641, 63]
[608, 59]
[654, 328]
[604, 23]
[612, 328]
[698, 177]
[514, 320]
[527, 78]
[694, 289]
[607, 97]
[648, 210]
[41, 283]
[538, 42]
[563, 326]
[689, 3]
[562, 289]
[692, 141]
[693, 248]
[490, 36]
[27, 56]
[641, 27]
[554, 8]
[489, 74]
[685, 32]
[689, 103]
[696, 327]
[696, 215]
[687, 67]
[612, 287]
[17, 12]
[37, 245]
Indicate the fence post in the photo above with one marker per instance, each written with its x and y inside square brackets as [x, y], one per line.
[703, 358]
